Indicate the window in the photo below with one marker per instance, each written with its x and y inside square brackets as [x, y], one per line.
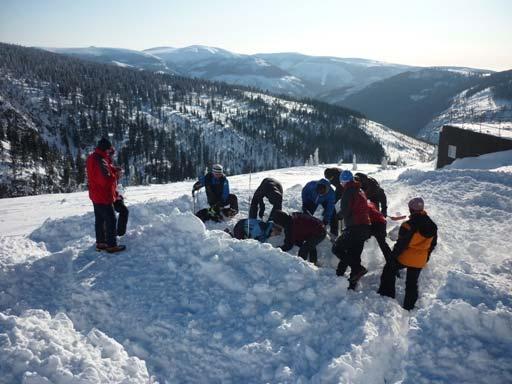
[452, 151]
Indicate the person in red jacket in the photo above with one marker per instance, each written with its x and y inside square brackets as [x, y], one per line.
[303, 230]
[349, 246]
[417, 239]
[102, 181]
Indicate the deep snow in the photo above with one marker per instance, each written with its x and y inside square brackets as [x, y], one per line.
[186, 303]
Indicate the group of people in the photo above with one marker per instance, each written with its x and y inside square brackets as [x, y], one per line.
[362, 210]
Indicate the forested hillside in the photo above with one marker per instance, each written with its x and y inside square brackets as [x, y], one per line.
[54, 108]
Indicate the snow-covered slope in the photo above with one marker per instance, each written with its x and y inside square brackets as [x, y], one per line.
[482, 112]
[187, 303]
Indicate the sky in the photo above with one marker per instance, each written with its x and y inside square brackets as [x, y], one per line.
[471, 33]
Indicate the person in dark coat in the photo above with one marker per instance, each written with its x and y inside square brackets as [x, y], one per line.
[302, 230]
[378, 230]
[102, 183]
[273, 191]
[333, 175]
[217, 192]
[373, 192]
[354, 213]
[255, 229]
[319, 192]
[119, 205]
[417, 239]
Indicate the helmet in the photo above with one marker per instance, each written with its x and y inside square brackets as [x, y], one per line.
[346, 176]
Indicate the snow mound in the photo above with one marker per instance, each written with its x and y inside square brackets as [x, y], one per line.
[38, 348]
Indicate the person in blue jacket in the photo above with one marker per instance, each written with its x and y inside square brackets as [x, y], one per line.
[319, 192]
[217, 191]
[255, 229]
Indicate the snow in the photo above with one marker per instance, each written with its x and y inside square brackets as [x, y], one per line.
[186, 303]
[124, 65]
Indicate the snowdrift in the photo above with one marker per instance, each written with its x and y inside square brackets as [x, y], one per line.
[186, 303]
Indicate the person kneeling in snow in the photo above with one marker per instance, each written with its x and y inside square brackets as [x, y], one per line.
[417, 239]
[217, 193]
[255, 229]
[303, 230]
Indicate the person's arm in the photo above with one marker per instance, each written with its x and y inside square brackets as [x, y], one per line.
[329, 207]
[404, 238]
[383, 203]
[345, 203]
[198, 184]
[432, 246]
[288, 243]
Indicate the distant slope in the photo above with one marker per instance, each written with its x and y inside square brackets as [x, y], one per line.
[409, 101]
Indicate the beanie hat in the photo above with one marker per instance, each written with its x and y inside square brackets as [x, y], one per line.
[217, 169]
[346, 176]
[416, 204]
[104, 144]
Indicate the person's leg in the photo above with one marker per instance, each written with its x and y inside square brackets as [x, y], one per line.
[379, 232]
[355, 246]
[110, 224]
[340, 251]
[122, 221]
[99, 224]
[388, 279]
[334, 224]
[411, 287]
[233, 202]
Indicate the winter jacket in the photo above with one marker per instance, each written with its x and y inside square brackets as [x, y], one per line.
[417, 239]
[217, 189]
[354, 206]
[101, 178]
[311, 199]
[374, 192]
[273, 191]
[301, 228]
[253, 229]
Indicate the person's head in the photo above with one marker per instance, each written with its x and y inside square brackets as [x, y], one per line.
[217, 170]
[361, 177]
[104, 144]
[282, 219]
[322, 187]
[346, 177]
[416, 205]
[332, 174]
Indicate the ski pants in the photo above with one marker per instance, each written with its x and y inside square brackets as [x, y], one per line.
[105, 224]
[308, 248]
[388, 279]
[378, 230]
[348, 248]
[122, 220]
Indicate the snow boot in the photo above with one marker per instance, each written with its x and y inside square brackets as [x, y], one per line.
[116, 248]
[101, 246]
[356, 277]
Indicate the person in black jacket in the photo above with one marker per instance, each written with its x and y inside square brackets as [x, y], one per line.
[417, 239]
[333, 175]
[273, 191]
[373, 192]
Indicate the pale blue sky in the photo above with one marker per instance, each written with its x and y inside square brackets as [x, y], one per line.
[473, 33]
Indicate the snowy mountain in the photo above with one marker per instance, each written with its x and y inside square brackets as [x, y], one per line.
[165, 128]
[186, 303]
[485, 108]
[326, 78]
[409, 101]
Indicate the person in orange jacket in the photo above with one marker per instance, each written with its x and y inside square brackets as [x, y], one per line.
[417, 239]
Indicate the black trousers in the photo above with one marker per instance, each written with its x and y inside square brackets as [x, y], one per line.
[378, 230]
[349, 247]
[105, 224]
[122, 220]
[308, 248]
[388, 279]
[232, 200]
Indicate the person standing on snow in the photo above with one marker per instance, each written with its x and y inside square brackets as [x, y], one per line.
[333, 175]
[317, 193]
[217, 192]
[303, 230]
[102, 183]
[255, 229]
[119, 205]
[373, 192]
[354, 213]
[273, 191]
[417, 239]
